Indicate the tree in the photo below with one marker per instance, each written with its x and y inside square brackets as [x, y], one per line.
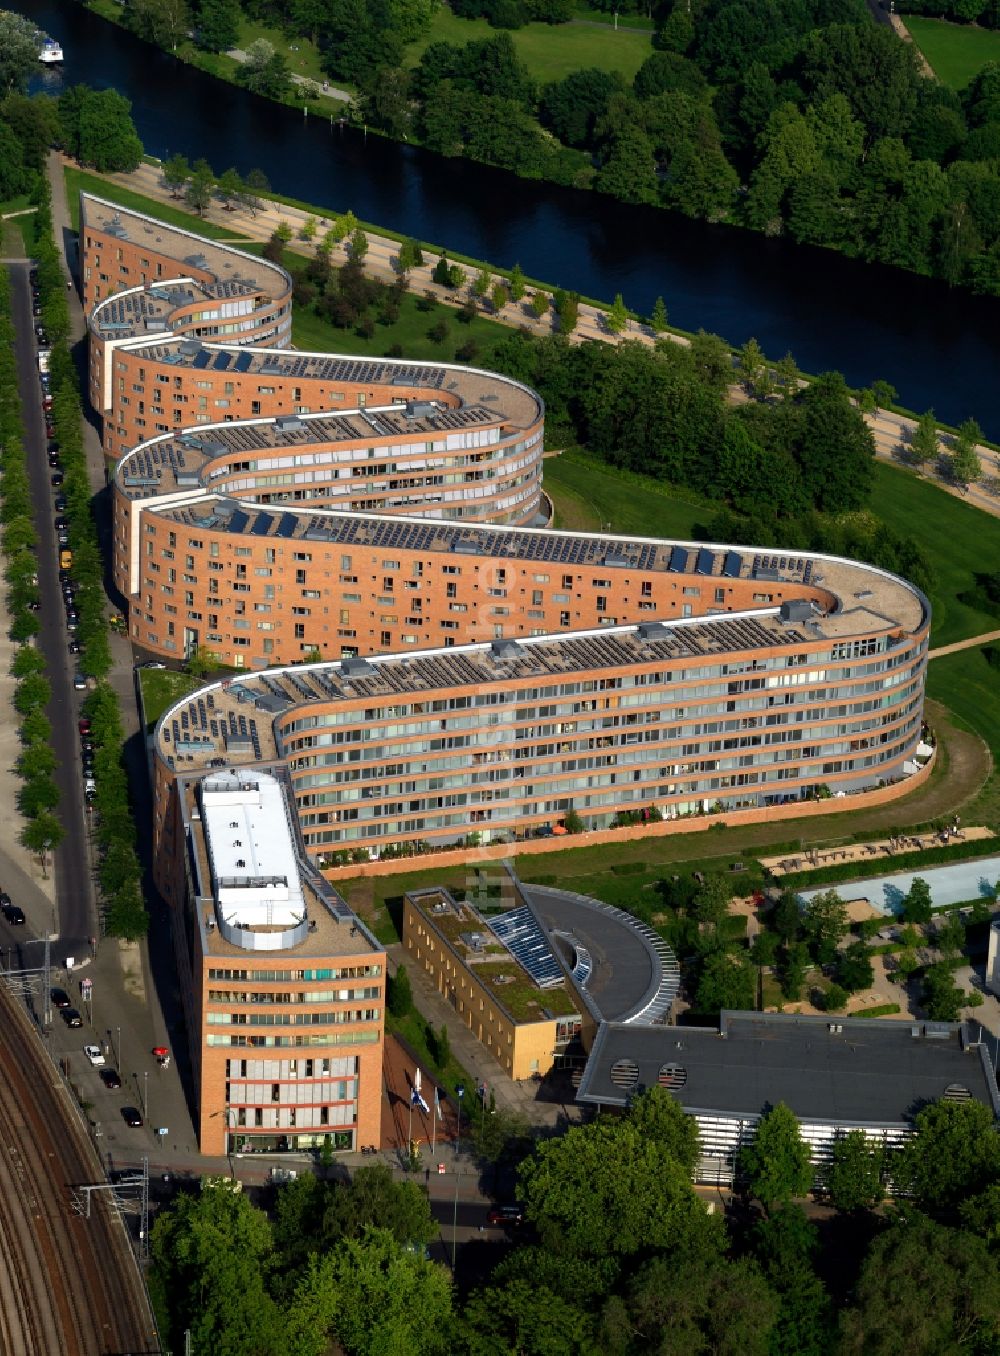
[835, 999]
[370, 1198]
[658, 1116]
[923, 1288]
[212, 1254]
[516, 284]
[400, 996]
[218, 24]
[658, 319]
[42, 834]
[229, 187]
[265, 70]
[569, 313]
[18, 51]
[106, 135]
[357, 246]
[924, 444]
[884, 393]
[825, 925]
[941, 997]
[410, 256]
[717, 1306]
[752, 366]
[917, 905]
[376, 1296]
[573, 107]
[198, 194]
[499, 296]
[616, 318]
[784, 1244]
[526, 1317]
[835, 447]
[786, 371]
[481, 282]
[540, 304]
[966, 468]
[607, 1190]
[164, 22]
[776, 1163]
[727, 981]
[712, 899]
[629, 168]
[854, 968]
[949, 937]
[854, 1178]
[176, 172]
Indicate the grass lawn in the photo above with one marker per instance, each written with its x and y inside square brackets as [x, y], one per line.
[161, 688]
[585, 14]
[587, 494]
[965, 682]
[959, 541]
[956, 52]
[550, 51]
[77, 179]
[302, 55]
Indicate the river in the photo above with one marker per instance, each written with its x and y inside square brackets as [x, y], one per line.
[938, 347]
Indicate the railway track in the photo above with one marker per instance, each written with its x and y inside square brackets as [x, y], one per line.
[69, 1286]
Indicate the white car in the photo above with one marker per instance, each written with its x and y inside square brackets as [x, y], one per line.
[93, 1053]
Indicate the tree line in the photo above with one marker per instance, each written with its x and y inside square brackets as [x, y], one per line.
[618, 1254]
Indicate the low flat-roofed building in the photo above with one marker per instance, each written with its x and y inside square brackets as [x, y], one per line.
[836, 1075]
[504, 983]
[283, 987]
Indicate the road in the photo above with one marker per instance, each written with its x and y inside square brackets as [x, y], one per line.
[74, 891]
[69, 1284]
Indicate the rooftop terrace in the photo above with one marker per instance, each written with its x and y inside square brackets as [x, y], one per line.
[234, 717]
[224, 262]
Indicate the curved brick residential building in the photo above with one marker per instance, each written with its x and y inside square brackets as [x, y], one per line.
[480, 677]
[813, 682]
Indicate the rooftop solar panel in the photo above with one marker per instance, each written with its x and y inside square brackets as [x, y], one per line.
[286, 525]
[731, 568]
[222, 361]
[201, 359]
[262, 525]
[243, 362]
[238, 521]
[705, 561]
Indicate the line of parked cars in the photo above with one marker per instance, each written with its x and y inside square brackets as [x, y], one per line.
[110, 1077]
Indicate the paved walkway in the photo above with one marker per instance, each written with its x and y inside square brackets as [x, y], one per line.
[322, 88]
[967, 644]
[863, 852]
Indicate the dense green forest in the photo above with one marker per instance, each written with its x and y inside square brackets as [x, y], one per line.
[618, 1254]
[792, 117]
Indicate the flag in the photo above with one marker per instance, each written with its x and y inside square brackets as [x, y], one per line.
[437, 1105]
[417, 1079]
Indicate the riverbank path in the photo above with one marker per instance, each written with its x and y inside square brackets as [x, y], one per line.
[893, 432]
[966, 644]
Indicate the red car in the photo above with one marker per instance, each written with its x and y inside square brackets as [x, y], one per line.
[83, 725]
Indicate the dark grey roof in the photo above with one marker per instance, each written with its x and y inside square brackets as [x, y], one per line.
[626, 968]
[862, 1072]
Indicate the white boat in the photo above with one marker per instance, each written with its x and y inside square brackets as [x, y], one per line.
[49, 52]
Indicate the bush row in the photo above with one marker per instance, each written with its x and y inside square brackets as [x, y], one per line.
[899, 861]
[38, 796]
[119, 870]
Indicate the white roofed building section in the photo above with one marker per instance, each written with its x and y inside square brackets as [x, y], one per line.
[253, 860]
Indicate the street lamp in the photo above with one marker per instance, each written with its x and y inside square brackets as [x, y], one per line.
[460, 1093]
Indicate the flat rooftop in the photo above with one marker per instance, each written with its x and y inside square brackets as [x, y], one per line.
[252, 850]
[225, 262]
[205, 728]
[848, 1071]
[148, 311]
[488, 960]
[197, 457]
[334, 929]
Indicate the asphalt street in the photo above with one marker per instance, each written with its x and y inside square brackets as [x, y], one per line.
[74, 887]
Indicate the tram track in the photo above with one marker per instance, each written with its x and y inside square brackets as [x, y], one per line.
[70, 1286]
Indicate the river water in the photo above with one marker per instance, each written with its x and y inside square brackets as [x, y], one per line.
[938, 347]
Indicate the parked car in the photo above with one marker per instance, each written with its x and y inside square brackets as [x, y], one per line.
[61, 521]
[111, 1078]
[95, 1054]
[60, 998]
[74, 645]
[57, 478]
[83, 725]
[506, 1215]
[59, 502]
[131, 1117]
[71, 1017]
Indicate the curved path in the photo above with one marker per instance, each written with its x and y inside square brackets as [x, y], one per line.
[69, 1286]
[969, 643]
